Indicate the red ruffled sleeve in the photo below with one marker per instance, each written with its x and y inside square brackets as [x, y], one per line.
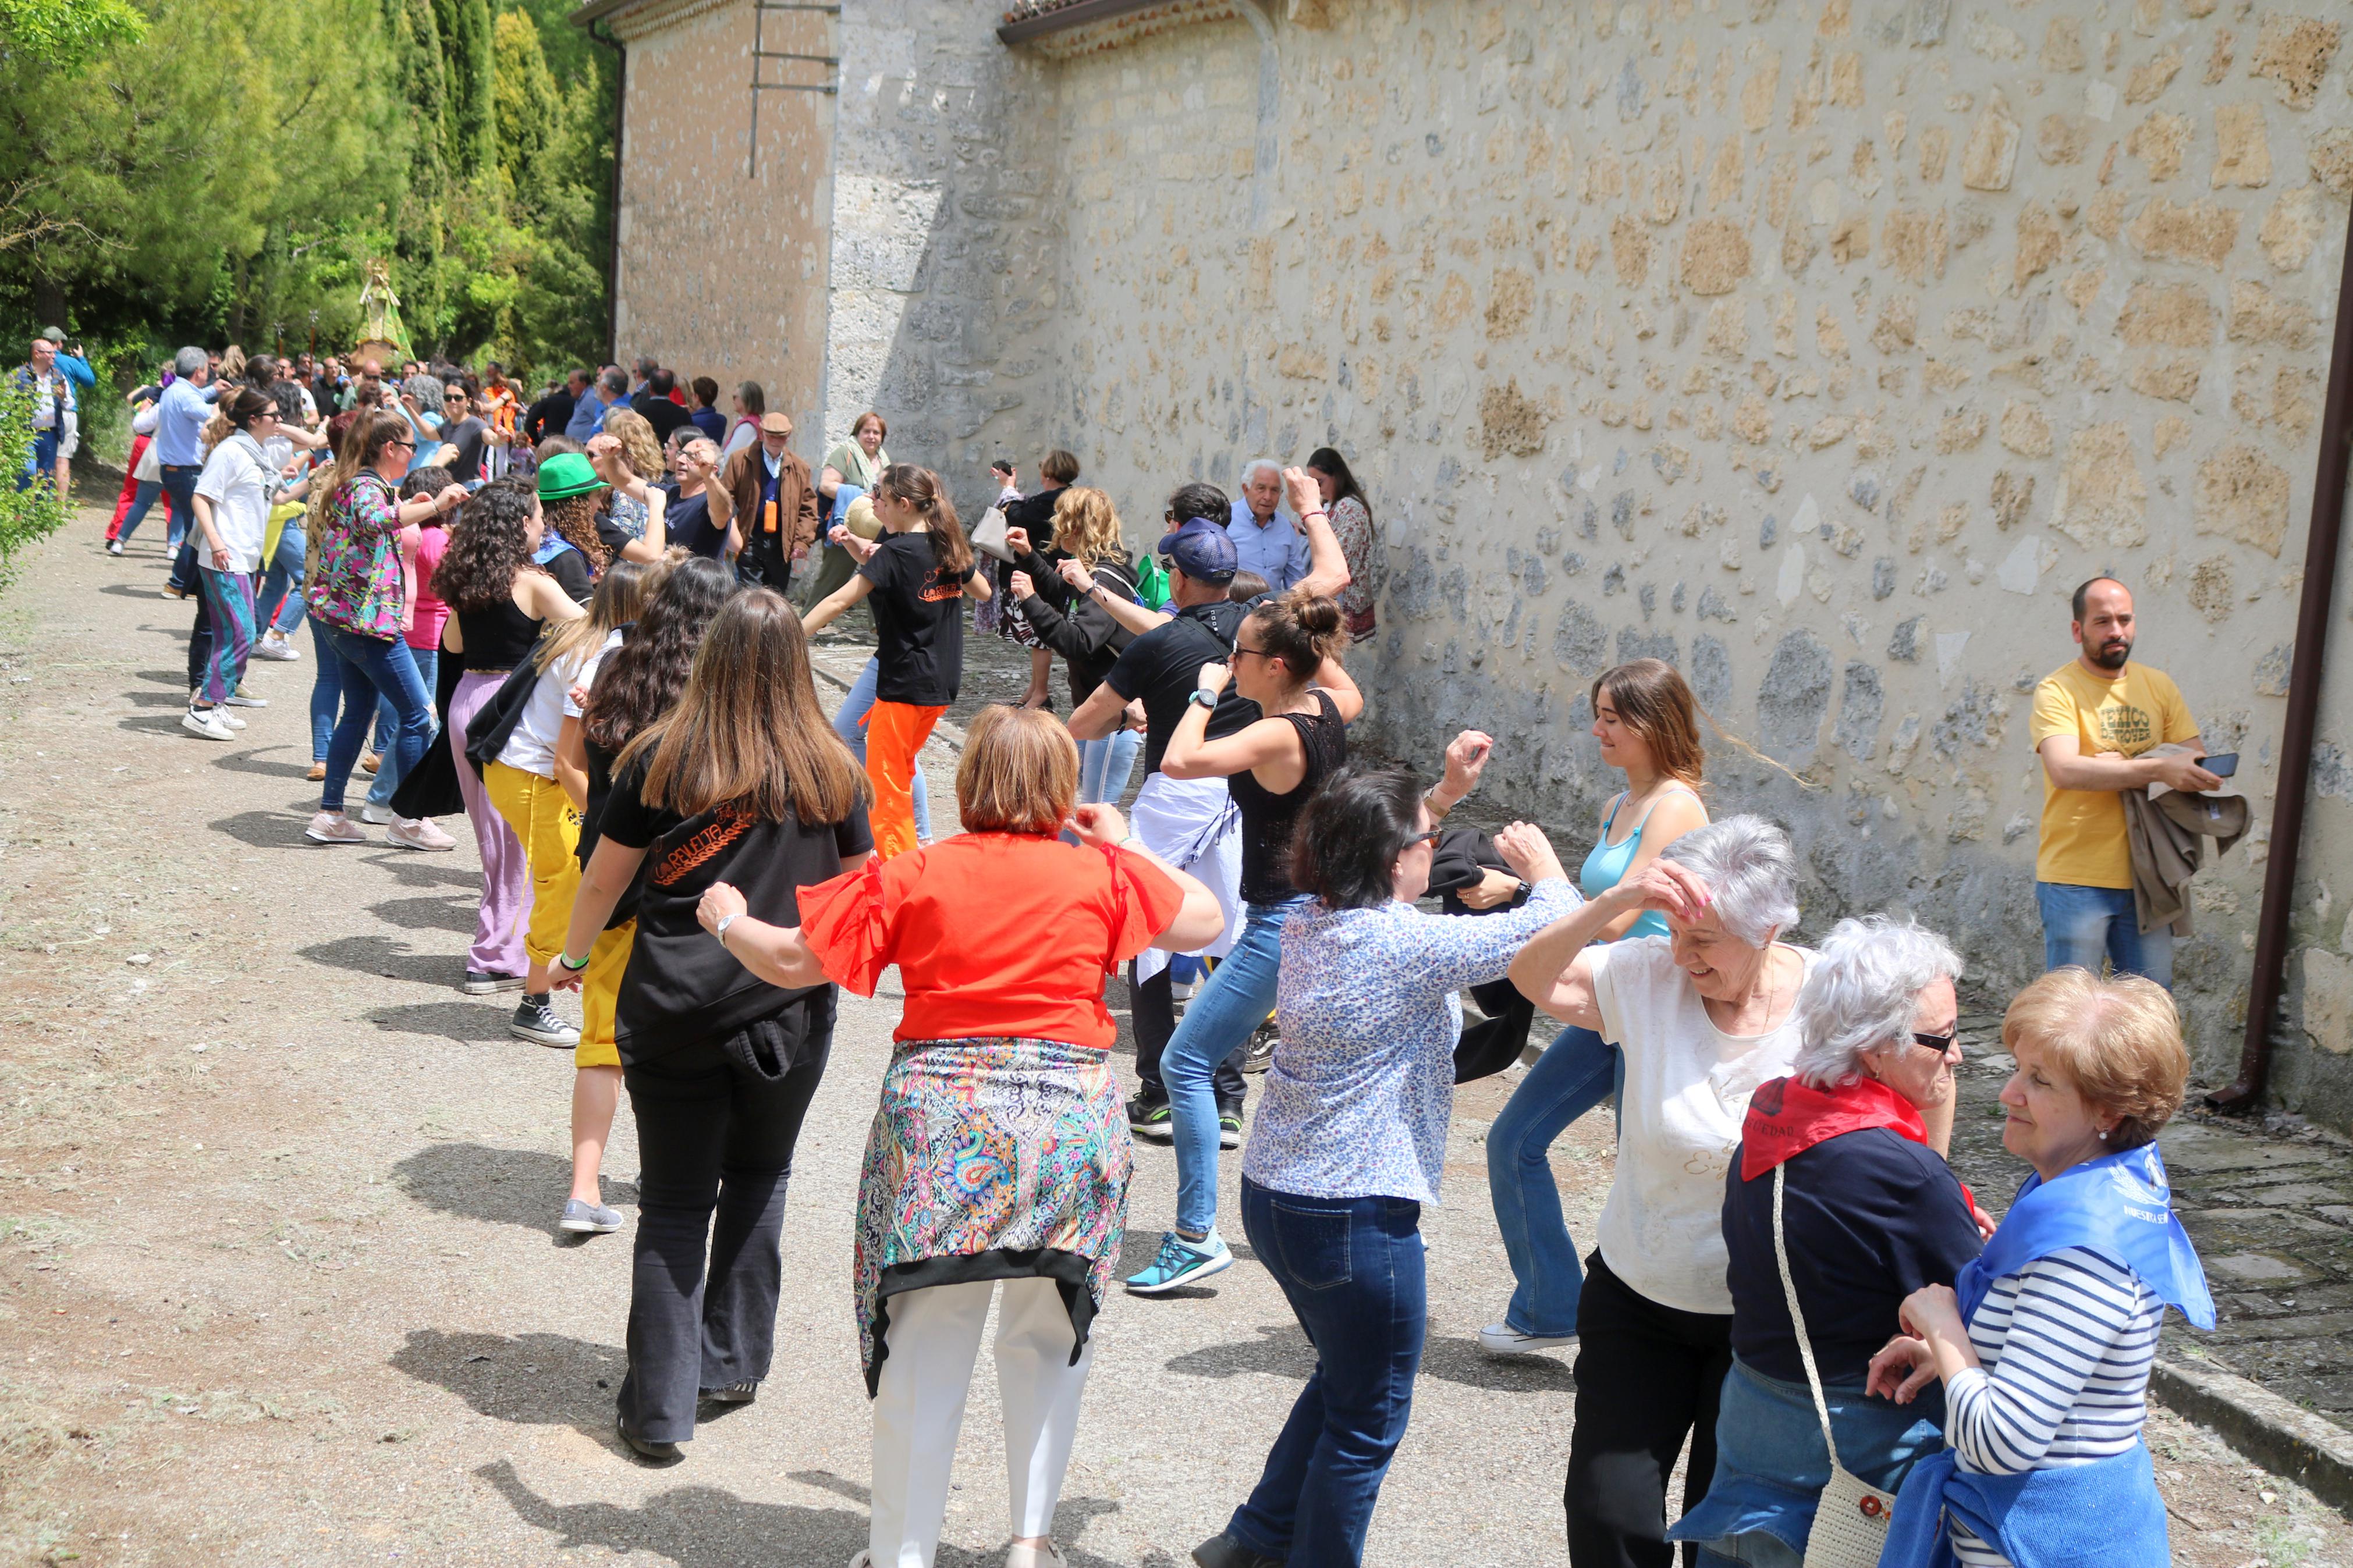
[1144, 900]
[845, 922]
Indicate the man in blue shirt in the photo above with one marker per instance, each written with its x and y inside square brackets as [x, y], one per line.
[1267, 537]
[181, 416]
[611, 391]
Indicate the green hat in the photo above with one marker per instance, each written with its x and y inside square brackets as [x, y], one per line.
[565, 475]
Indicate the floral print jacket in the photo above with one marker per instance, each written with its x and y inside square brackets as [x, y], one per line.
[356, 587]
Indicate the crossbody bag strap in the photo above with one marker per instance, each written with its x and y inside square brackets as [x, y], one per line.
[1797, 1321]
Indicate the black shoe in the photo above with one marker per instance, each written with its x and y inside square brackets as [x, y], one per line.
[1225, 1552]
[734, 1393]
[1150, 1117]
[653, 1453]
[1230, 1129]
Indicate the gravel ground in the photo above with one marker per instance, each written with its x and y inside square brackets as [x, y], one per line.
[278, 1271]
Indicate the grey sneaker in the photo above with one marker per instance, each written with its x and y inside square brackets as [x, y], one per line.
[589, 1219]
[1230, 1130]
[536, 1020]
[240, 698]
[1502, 1339]
[371, 812]
[1259, 1055]
[481, 983]
[275, 646]
[734, 1393]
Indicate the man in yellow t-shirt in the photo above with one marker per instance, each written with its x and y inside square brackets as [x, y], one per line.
[2094, 718]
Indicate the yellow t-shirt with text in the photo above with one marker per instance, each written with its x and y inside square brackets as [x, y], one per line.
[2083, 840]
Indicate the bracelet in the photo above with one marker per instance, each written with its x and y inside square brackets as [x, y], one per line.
[1134, 839]
[1319, 512]
[565, 959]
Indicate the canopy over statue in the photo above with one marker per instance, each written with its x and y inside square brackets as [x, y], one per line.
[381, 333]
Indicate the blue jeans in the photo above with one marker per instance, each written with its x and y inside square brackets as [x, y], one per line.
[42, 460]
[389, 772]
[2082, 926]
[1575, 1073]
[281, 586]
[180, 484]
[372, 667]
[1352, 1269]
[1104, 766]
[326, 689]
[849, 724]
[140, 501]
[1239, 993]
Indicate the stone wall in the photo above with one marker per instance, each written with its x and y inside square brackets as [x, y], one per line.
[1821, 347]
[723, 260]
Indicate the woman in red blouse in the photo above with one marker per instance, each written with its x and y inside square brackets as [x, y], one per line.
[999, 1152]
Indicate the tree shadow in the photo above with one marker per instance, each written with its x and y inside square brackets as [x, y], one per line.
[174, 699]
[532, 1380]
[1282, 1351]
[706, 1527]
[249, 761]
[176, 680]
[382, 957]
[447, 911]
[523, 1187]
[462, 1022]
[423, 868]
[152, 590]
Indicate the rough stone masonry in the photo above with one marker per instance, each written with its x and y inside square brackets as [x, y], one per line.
[1820, 346]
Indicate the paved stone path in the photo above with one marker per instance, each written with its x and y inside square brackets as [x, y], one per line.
[278, 1278]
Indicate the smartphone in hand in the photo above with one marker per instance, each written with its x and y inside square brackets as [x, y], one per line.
[2221, 767]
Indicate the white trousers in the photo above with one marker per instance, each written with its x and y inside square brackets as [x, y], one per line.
[934, 1340]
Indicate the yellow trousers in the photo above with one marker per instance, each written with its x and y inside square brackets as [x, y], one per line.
[542, 816]
[600, 988]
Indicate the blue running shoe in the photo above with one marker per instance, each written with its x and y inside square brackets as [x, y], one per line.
[1181, 1262]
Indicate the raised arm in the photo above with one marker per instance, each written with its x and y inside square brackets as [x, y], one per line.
[1328, 564]
[1451, 952]
[1555, 970]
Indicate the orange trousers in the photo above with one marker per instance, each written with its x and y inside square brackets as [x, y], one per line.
[895, 733]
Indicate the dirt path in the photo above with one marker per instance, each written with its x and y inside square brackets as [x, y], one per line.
[278, 1276]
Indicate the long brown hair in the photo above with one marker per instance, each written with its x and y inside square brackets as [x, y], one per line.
[921, 488]
[572, 520]
[747, 733]
[620, 593]
[1654, 702]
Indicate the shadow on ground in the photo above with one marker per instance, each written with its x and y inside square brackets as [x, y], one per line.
[383, 956]
[465, 1023]
[704, 1527]
[1284, 1352]
[261, 829]
[536, 1380]
[449, 912]
[523, 1187]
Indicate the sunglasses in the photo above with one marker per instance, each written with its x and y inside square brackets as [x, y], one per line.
[1430, 837]
[1241, 652]
[1940, 1044]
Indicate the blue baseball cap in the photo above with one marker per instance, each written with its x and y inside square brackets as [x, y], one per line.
[1201, 551]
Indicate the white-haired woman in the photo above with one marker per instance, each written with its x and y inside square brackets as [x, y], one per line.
[1845, 1159]
[1704, 1015]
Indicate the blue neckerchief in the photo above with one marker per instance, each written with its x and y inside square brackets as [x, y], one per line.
[550, 548]
[2108, 1513]
[2120, 1206]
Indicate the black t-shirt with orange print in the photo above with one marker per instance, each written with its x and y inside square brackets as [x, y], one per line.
[918, 608]
[682, 986]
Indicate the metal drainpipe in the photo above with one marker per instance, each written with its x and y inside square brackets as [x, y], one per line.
[602, 34]
[2267, 988]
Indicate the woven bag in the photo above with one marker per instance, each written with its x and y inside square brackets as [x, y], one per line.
[1851, 1521]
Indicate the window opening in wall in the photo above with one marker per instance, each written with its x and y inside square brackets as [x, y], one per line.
[760, 52]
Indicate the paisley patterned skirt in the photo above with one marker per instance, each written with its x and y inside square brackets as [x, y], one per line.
[990, 1159]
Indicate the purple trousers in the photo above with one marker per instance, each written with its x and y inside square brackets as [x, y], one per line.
[506, 873]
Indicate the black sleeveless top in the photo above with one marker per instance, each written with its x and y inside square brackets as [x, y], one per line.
[1268, 818]
[498, 638]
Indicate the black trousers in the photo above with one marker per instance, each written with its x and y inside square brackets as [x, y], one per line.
[1152, 1010]
[1647, 1377]
[714, 1137]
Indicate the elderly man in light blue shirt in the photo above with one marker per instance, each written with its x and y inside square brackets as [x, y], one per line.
[1266, 537]
[611, 391]
[181, 416]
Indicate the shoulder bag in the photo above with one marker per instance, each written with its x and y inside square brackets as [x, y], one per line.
[1850, 1519]
[989, 535]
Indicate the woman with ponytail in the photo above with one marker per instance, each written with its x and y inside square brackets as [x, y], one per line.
[918, 577]
[1286, 658]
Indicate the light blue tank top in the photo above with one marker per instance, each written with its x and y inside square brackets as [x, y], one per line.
[1606, 866]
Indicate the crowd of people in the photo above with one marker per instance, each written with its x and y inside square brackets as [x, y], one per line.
[584, 624]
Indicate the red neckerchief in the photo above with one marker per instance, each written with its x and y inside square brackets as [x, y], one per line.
[1787, 1116]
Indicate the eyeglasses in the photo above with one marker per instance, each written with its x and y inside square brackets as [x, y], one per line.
[1430, 837]
[1241, 652]
[410, 445]
[1940, 1044]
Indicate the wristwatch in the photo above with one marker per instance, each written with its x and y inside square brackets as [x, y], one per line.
[1203, 697]
[720, 931]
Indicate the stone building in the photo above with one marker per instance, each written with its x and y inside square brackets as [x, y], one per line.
[1821, 346]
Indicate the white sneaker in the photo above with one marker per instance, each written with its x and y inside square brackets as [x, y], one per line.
[207, 722]
[371, 812]
[274, 645]
[418, 833]
[335, 827]
[114, 547]
[220, 711]
[1502, 1339]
